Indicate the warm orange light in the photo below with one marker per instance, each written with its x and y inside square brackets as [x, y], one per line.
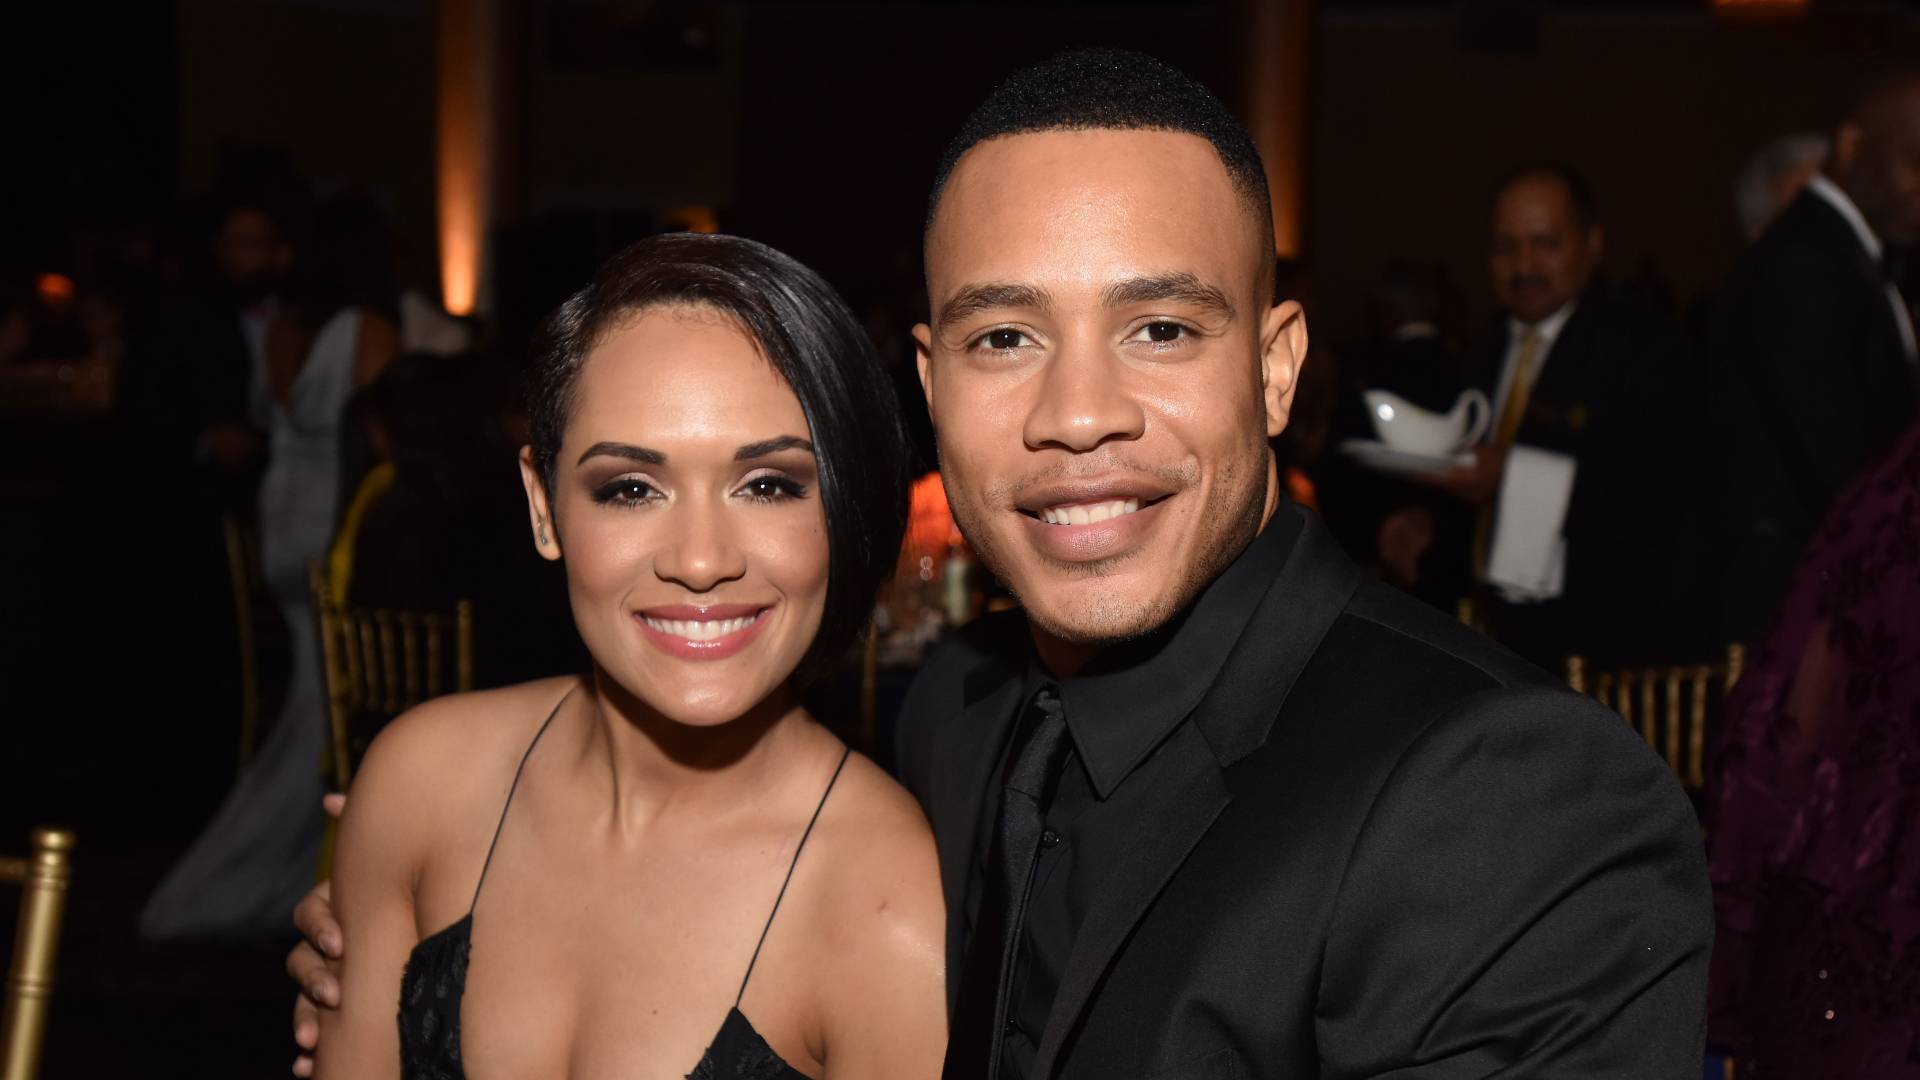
[930, 527]
[55, 289]
[465, 146]
[700, 219]
[1759, 8]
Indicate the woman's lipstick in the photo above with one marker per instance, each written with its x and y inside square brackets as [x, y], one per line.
[691, 632]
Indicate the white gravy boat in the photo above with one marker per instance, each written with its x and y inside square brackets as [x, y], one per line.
[1413, 430]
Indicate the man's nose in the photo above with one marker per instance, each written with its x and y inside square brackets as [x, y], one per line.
[700, 552]
[1084, 400]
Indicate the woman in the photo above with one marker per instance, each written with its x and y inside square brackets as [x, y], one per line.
[664, 868]
[1815, 851]
[258, 854]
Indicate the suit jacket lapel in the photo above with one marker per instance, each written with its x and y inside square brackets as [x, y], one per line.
[1190, 791]
[966, 750]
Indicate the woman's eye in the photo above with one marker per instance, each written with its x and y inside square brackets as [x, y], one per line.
[1160, 333]
[1003, 339]
[772, 489]
[626, 491]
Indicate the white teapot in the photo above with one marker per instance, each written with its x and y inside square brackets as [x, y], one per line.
[1410, 429]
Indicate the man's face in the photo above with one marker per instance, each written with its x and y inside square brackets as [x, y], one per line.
[251, 254]
[1881, 157]
[1104, 369]
[1542, 255]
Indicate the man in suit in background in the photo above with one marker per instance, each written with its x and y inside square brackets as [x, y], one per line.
[1814, 350]
[1591, 387]
[1212, 805]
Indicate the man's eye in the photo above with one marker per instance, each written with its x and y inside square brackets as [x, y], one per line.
[1160, 332]
[1003, 339]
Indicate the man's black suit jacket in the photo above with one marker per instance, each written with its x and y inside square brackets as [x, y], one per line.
[1382, 846]
[1814, 385]
[1618, 395]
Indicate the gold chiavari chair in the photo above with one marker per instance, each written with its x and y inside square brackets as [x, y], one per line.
[243, 572]
[1668, 704]
[377, 663]
[43, 878]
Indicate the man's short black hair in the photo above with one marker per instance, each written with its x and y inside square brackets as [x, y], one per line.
[1586, 204]
[1112, 89]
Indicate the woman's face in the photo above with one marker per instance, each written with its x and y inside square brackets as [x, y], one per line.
[686, 502]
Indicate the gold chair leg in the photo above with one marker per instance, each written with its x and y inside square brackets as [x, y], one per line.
[36, 948]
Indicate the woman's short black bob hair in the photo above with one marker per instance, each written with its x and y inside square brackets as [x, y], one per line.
[803, 328]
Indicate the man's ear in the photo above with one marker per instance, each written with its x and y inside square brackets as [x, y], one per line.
[1283, 351]
[546, 537]
[1846, 148]
[923, 357]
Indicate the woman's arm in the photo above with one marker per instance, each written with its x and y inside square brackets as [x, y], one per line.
[885, 1003]
[376, 864]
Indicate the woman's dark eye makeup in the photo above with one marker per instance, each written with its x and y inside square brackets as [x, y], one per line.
[636, 491]
[625, 491]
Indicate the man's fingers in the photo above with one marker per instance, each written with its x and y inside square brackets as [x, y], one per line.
[334, 803]
[314, 919]
[317, 982]
[303, 1066]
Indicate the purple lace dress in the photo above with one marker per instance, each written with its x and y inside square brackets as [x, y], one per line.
[1815, 850]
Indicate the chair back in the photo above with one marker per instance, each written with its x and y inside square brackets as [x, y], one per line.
[43, 878]
[1670, 705]
[378, 662]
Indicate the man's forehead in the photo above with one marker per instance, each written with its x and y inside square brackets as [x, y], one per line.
[1091, 205]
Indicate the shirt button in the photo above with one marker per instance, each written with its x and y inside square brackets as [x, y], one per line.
[1011, 1027]
[1049, 838]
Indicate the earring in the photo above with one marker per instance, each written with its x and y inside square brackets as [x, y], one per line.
[540, 527]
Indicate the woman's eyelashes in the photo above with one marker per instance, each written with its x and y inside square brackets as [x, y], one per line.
[636, 491]
[626, 491]
[772, 487]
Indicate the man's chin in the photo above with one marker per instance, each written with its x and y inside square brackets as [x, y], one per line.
[1095, 615]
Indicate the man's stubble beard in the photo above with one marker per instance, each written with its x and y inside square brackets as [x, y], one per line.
[1115, 620]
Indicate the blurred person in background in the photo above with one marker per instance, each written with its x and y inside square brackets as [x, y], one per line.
[1815, 837]
[1773, 178]
[1589, 391]
[333, 333]
[441, 517]
[1416, 537]
[1814, 351]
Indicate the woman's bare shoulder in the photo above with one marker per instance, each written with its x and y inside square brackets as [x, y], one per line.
[439, 760]
[883, 869]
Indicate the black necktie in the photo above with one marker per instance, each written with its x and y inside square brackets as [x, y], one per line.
[1040, 747]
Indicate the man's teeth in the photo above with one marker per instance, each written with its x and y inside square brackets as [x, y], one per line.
[700, 629]
[1088, 513]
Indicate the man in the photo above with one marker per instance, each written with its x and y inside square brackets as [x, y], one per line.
[1588, 391]
[1417, 537]
[1815, 350]
[1773, 178]
[1212, 806]
[191, 390]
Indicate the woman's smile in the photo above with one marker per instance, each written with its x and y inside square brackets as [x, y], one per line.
[693, 632]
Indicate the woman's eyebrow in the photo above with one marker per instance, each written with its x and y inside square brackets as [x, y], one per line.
[641, 454]
[771, 446]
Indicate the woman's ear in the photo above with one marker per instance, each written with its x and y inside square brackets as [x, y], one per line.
[546, 538]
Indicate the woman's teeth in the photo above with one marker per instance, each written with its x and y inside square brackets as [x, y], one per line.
[1088, 513]
[700, 629]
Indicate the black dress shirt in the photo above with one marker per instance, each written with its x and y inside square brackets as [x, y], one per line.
[1119, 712]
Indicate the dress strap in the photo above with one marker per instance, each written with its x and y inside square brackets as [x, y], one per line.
[484, 867]
[758, 945]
